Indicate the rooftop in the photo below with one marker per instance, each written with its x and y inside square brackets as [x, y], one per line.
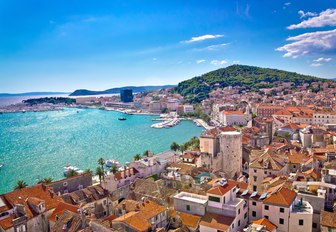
[192, 197]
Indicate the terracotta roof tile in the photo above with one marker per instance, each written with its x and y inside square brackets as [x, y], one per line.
[62, 206]
[216, 221]
[328, 219]
[265, 222]
[283, 197]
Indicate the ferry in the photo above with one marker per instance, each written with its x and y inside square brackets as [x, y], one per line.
[68, 168]
[122, 119]
[110, 163]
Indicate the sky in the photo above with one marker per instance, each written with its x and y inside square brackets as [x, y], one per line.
[64, 45]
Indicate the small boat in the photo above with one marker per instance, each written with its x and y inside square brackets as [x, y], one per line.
[121, 119]
[110, 163]
[1, 165]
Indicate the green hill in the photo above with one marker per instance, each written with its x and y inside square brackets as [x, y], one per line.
[252, 78]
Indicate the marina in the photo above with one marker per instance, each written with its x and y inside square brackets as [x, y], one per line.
[43, 143]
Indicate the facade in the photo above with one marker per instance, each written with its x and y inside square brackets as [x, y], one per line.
[126, 95]
[231, 153]
[155, 107]
[267, 110]
[190, 203]
[188, 108]
[232, 118]
[267, 163]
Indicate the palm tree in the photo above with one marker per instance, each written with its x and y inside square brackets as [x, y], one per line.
[114, 169]
[174, 146]
[137, 157]
[71, 173]
[88, 170]
[100, 173]
[20, 184]
[146, 153]
[183, 147]
[47, 180]
[101, 162]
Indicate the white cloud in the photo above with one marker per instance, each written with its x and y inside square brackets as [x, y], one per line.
[286, 5]
[216, 46]
[218, 62]
[202, 37]
[310, 43]
[200, 61]
[316, 64]
[325, 18]
[322, 59]
[236, 62]
[307, 14]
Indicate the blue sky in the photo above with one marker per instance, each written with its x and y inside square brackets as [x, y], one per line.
[63, 45]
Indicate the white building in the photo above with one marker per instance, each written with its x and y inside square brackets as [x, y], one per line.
[231, 118]
[190, 203]
[188, 108]
[225, 210]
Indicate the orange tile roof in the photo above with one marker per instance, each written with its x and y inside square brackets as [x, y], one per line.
[283, 197]
[62, 206]
[216, 221]
[7, 222]
[265, 222]
[39, 191]
[189, 220]
[232, 112]
[221, 190]
[328, 219]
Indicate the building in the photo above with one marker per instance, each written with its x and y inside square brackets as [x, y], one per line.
[266, 111]
[27, 209]
[188, 108]
[232, 118]
[231, 153]
[223, 203]
[71, 184]
[126, 95]
[140, 216]
[265, 163]
[190, 203]
[155, 107]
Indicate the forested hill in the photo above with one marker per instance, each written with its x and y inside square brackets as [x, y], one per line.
[252, 78]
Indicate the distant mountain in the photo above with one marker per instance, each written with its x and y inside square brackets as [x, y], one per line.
[136, 89]
[252, 78]
[30, 94]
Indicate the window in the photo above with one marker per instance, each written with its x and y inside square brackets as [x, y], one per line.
[216, 199]
[238, 222]
[266, 216]
[282, 210]
[314, 225]
[301, 222]
[232, 225]
[255, 170]
[254, 188]
[254, 203]
[245, 215]
[188, 207]
[254, 178]
[281, 221]
[238, 211]
[254, 214]
[266, 207]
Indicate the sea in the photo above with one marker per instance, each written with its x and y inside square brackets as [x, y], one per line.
[36, 145]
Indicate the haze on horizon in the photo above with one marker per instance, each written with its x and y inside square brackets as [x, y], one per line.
[67, 45]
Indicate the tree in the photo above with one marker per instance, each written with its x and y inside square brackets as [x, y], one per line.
[20, 184]
[174, 146]
[183, 147]
[88, 170]
[100, 173]
[146, 153]
[101, 162]
[114, 169]
[137, 157]
[47, 180]
[72, 173]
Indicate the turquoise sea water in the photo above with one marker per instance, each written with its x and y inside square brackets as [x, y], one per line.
[36, 145]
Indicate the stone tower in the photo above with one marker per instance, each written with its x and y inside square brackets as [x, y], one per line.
[230, 144]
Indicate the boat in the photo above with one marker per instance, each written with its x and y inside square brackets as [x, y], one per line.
[110, 163]
[1, 165]
[69, 168]
[121, 119]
